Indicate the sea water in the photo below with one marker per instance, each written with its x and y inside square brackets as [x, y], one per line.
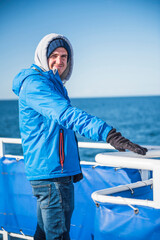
[137, 118]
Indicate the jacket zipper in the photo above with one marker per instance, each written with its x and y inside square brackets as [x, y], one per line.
[61, 148]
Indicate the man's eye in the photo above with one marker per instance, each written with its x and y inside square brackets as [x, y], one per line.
[53, 56]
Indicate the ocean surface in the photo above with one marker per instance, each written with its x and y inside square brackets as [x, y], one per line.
[137, 118]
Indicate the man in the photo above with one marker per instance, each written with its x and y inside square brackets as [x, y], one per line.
[48, 124]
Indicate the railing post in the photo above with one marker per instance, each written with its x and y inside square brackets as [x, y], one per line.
[5, 234]
[156, 185]
[2, 148]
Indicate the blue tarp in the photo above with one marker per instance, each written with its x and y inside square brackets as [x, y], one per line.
[114, 221]
[120, 222]
[94, 179]
[18, 206]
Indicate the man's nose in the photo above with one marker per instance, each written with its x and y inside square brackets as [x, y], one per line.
[58, 60]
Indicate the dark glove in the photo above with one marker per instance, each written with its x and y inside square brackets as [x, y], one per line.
[78, 177]
[121, 144]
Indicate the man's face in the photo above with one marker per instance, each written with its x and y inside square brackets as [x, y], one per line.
[58, 60]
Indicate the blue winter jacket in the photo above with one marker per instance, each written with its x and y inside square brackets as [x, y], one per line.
[48, 124]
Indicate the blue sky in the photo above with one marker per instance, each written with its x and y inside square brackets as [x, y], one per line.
[116, 43]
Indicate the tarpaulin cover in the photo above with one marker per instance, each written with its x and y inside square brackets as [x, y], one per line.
[114, 221]
[94, 179]
[18, 205]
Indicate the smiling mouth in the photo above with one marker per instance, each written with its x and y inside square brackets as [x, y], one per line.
[59, 66]
[59, 69]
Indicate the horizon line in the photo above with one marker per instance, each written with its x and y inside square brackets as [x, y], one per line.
[84, 97]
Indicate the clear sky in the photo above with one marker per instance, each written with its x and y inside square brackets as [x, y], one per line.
[116, 43]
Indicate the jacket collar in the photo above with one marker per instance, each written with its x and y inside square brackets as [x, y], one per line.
[49, 74]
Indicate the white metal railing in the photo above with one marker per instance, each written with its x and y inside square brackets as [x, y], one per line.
[105, 195]
[132, 161]
[4, 141]
[91, 145]
[7, 235]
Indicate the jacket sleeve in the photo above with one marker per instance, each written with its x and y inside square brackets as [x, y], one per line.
[43, 97]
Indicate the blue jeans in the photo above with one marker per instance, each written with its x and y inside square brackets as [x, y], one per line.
[55, 204]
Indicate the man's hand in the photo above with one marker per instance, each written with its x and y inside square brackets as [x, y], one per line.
[121, 144]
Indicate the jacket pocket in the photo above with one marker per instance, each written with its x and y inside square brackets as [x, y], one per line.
[61, 147]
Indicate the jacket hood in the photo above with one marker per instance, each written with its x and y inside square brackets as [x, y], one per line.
[19, 79]
[41, 55]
